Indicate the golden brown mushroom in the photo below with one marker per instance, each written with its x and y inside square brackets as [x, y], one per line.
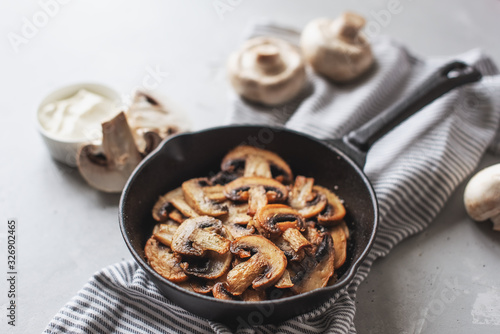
[204, 197]
[339, 243]
[210, 266]
[273, 219]
[304, 199]
[164, 261]
[165, 232]
[197, 235]
[263, 191]
[257, 162]
[314, 270]
[169, 201]
[334, 211]
[265, 264]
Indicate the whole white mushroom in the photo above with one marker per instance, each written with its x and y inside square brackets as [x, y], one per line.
[482, 196]
[337, 48]
[267, 70]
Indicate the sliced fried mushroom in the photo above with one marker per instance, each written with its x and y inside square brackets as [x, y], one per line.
[257, 162]
[334, 211]
[303, 199]
[164, 261]
[220, 292]
[202, 286]
[203, 197]
[285, 281]
[251, 295]
[177, 216]
[339, 243]
[258, 191]
[108, 167]
[286, 248]
[296, 240]
[337, 48]
[264, 266]
[197, 235]
[165, 232]
[273, 219]
[210, 266]
[314, 271]
[175, 199]
[267, 70]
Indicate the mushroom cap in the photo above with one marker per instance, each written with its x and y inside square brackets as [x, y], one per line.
[197, 235]
[265, 265]
[108, 167]
[302, 197]
[257, 162]
[274, 219]
[337, 48]
[211, 266]
[237, 190]
[334, 210]
[267, 70]
[314, 271]
[482, 194]
[164, 261]
[174, 198]
[203, 197]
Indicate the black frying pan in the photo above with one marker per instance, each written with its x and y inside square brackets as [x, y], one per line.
[335, 164]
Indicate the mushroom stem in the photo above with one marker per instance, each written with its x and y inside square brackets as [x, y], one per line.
[496, 222]
[348, 26]
[269, 59]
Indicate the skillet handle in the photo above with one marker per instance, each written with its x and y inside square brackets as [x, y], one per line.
[442, 81]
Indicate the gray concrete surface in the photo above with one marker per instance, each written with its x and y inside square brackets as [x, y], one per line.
[441, 281]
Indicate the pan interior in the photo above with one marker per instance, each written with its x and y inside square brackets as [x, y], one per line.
[199, 154]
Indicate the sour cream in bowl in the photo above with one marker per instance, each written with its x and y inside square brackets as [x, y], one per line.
[71, 116]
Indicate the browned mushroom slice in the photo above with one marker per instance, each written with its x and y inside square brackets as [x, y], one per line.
[237, 213]
[220, 292]
[334, 210]
[285, 281]
[197, 235]
[251, 295]
[165, 232]
[303, 199]
[263, 268]
[287, 249]
[164, 261]
[176, 216]
[169, 201]
[274, 219]
[257, 162]
[257, 199]
[339, 243]
[314, 271]
[224, 177]
[296, 240]
[211, 266]
[237, 190]
[238, 231]
[195, 193]
[202, 286]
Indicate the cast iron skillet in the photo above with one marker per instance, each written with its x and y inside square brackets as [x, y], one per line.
[335, 164]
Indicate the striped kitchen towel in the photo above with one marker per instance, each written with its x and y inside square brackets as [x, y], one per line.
[414, 169]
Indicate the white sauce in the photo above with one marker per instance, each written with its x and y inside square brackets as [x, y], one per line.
[78, 117]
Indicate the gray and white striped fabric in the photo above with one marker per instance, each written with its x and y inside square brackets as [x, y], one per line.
[414, 170]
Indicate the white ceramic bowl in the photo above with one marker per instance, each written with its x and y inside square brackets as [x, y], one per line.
[65, 150]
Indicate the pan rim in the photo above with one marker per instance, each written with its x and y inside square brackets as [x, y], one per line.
[332, 289]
